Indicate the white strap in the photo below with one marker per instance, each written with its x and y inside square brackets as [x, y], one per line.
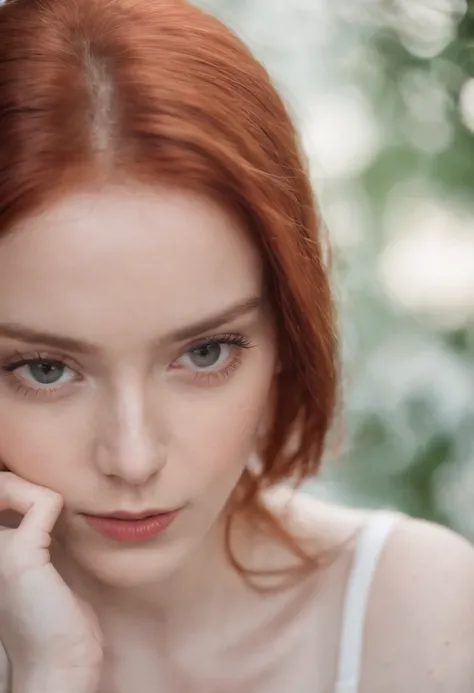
[370, 543]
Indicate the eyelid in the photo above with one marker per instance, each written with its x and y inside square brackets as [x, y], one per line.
[28, 389]
[232, 338]
[238, 344]
[235, 340]
[42, 356]
[238, 341]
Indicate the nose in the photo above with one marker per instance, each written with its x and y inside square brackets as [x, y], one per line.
[128, 445]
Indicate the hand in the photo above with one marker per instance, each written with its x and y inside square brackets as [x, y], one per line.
[44, 627]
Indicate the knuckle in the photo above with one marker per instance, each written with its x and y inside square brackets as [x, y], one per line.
[54, 499]
[8, 485]
[5, 479]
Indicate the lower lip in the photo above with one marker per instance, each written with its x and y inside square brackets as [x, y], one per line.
[131, 530]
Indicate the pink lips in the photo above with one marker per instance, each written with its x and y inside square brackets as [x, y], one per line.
[125, 527]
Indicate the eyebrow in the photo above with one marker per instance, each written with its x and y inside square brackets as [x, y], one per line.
[213, 322]
[23, 333]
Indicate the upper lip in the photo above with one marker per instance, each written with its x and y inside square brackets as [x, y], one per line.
[126, 515]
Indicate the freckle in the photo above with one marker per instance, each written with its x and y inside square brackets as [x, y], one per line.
[447, 643]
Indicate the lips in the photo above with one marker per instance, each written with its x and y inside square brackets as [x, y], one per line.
[131, 527]
[124, 515]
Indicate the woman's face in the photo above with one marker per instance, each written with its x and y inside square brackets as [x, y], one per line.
[136, 364]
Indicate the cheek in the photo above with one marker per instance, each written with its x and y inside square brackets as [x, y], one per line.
[38, 443]
[215, 431]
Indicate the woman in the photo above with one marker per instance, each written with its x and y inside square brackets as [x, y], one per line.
[168, 371]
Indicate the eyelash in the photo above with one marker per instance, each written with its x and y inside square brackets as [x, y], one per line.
[215, 377]
[239, 341]
[36, 358]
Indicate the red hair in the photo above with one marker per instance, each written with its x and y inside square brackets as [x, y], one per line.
[160, 92]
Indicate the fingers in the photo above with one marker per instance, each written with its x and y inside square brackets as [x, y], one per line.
[40, 506]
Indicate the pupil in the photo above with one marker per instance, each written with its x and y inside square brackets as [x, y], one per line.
[45, 372]
[207, 355]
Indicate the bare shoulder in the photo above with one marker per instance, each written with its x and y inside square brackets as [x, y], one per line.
[420, 621]
[316, 522]
[419, 629]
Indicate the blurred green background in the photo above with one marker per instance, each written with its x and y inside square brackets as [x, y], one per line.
[383, 94]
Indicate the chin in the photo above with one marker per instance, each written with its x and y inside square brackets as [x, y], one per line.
[127, 566]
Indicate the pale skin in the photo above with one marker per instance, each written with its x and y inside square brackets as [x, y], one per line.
[136, 419]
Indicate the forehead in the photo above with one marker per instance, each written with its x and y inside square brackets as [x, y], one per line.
[125, 252]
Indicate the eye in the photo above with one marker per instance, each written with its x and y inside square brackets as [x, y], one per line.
[43, 372]
[214, 359]
[40, 373]
[210, 355]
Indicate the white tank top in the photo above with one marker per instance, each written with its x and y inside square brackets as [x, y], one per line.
[370, 543]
